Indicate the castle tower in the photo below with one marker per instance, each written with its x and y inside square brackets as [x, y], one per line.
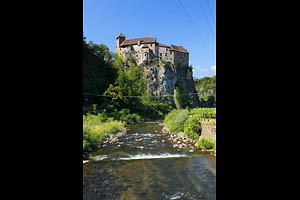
[120, 38]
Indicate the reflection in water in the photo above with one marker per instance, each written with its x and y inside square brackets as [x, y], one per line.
[126, 171]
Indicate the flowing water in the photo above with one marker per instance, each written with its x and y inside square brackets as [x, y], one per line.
[141, 166]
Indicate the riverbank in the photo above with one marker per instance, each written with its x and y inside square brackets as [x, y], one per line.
[109, 139]
[192, 129]
[180, 141]
[143, 164]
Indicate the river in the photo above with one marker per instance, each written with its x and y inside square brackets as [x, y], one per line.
[143, 165]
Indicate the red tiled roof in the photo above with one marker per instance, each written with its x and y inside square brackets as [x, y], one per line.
[178, 48]
[135, 41]
[163, 45]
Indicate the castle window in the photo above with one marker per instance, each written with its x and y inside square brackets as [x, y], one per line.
[166, 49]
[166, 54]
[160, 54]
[170, 52]
[170, 58]
[136, 56]
[145, 54]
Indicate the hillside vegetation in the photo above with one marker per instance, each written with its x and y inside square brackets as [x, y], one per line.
[98, 72]
[206, 89]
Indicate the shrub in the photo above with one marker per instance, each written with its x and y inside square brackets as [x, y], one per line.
[175, 120]
[151, 109]
[125, 116]
[95, 128]
[215, 145]
[192, 128]
[206, 142]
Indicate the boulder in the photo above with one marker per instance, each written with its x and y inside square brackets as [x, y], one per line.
[180, 134]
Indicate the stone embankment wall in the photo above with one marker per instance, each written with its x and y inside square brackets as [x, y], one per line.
[209, 130]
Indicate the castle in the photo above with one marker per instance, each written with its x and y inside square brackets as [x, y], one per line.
[145, 49]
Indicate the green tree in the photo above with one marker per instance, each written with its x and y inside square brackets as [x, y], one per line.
[206, 89]
[98, 72]
[178, 98]
[128, 87]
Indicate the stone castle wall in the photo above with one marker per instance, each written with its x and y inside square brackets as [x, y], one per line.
[209, 130]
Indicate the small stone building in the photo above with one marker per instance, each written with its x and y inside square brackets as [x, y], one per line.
[145, 49]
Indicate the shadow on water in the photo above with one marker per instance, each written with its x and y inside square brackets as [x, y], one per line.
[144, 165]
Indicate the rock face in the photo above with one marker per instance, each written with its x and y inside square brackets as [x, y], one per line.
[163, 78]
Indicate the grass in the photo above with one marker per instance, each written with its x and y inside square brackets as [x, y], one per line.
[96, 128]
[175, 120]
[208, 143]
[192, 128]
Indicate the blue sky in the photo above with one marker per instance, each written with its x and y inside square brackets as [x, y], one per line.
[103, 20]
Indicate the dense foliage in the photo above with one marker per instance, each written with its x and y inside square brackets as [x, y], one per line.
[98, 71]
[192, 128]
[125, 92]
[96, 127]
[189, 120]
[208, 143]
[175, 120]
[179, 102]
[206, 89]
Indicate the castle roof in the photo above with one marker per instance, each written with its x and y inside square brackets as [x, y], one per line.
[163, 45]
[120, 35]
[178, 48]
[135, 41]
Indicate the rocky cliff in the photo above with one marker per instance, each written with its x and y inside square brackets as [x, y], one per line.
[163, 78]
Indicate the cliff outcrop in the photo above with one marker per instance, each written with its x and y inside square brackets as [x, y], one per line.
[163, 78]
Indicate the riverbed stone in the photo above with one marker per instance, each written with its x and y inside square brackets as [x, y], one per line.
[176, 198]
[180, 134]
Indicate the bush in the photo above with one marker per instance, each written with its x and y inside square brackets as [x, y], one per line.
[207, 143]
[175, 120]
[96, 127]
[192, 128]
[151, 109]
[215, 145]
[125, 116]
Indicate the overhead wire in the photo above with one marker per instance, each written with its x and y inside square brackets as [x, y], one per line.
[206, 18]
[212, 16]
[195, 27]
[166, 95]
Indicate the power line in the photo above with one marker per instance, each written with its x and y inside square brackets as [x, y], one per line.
[166, 95]
[206, 18]
[195, 28]
[212, 16]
